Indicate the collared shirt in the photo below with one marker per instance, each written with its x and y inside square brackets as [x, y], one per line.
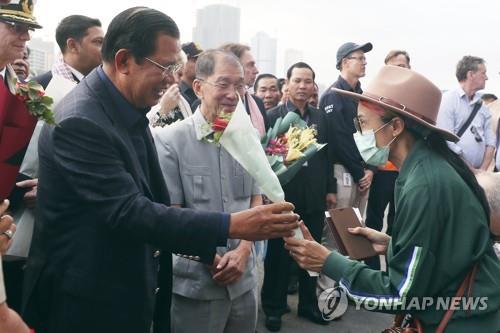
[281, 110]
[340, 111]
[204, 176]
[76, 73]
[453, 113]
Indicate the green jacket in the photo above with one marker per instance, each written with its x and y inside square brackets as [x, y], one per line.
[440, 230]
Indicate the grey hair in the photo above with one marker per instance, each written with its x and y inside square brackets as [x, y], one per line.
[205, 65]
[466, 64]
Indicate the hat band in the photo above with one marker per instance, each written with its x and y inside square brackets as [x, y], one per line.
[15, 13]
[401, 107]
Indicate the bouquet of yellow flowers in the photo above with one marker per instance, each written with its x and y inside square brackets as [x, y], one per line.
[289, 145]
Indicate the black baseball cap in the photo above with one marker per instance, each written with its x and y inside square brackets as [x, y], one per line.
[191, 49]
[350, 47]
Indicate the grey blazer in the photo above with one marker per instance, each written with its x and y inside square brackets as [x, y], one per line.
[204, 176]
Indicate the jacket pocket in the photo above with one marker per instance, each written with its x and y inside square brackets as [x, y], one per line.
[198, 177]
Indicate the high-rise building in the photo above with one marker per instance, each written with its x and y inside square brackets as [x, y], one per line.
[264, 51]
[292, 56]
[216, 25]
[41, 55]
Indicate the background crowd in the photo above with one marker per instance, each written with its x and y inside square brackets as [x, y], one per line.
[134, 148]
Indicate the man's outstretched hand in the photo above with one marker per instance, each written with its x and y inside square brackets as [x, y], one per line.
[264, 222]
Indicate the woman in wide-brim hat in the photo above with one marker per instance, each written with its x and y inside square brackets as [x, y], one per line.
[441, 228]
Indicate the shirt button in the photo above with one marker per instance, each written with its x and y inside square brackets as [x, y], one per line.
[156, 254]
[225, 200]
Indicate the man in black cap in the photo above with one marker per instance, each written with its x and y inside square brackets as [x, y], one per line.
[192, 51]
[353, 176]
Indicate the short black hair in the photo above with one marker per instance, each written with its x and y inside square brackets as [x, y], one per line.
[281, 83]
[263, 76]
[489, 96]
[136, 29]
[74, 26]
[299, 64]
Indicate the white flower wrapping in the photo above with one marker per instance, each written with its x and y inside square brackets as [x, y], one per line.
[242, 142]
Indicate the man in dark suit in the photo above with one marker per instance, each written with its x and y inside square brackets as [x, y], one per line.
[103, 203]
[309, 191]
[80, 39]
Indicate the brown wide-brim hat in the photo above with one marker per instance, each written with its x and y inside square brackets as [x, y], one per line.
[407, 93]
[19, 11]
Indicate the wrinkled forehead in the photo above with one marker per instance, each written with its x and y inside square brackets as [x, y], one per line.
[225, 69]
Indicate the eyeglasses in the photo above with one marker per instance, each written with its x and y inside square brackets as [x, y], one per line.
[18, 28]
[225, 86]
[477, 136]
[362, 58]
[166, 71]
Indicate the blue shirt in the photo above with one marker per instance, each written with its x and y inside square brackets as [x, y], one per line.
[453, 113]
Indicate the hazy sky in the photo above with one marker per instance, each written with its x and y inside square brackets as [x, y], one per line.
[436, 33]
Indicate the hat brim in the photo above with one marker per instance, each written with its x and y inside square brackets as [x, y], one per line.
[367, 47]
[17, 19]
[448, 136]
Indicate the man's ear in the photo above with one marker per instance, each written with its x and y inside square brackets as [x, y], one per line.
[123, 59]
[71, 45]
[197, 88]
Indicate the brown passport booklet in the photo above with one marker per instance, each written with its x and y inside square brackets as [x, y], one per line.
[354, 246]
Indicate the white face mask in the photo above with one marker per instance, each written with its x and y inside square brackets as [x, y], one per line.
[367, 146]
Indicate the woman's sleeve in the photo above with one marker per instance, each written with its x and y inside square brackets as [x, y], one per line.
[409, 271]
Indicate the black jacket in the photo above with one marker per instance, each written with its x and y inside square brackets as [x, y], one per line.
[308, 189]
[94, 262]
[340, 112]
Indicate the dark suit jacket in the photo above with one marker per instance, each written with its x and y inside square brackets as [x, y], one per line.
[93, 265]
[45, 78]
[308, 189]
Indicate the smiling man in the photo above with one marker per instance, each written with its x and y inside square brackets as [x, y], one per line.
[104, 210]
[223, 296]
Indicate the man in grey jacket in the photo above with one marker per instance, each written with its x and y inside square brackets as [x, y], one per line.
[202, 175]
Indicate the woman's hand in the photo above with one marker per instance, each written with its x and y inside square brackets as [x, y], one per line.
[309, 254]
[379, 240]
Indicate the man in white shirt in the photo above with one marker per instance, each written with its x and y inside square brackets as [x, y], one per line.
[477, 141]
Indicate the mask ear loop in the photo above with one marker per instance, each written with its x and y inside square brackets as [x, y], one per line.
[393, 139]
